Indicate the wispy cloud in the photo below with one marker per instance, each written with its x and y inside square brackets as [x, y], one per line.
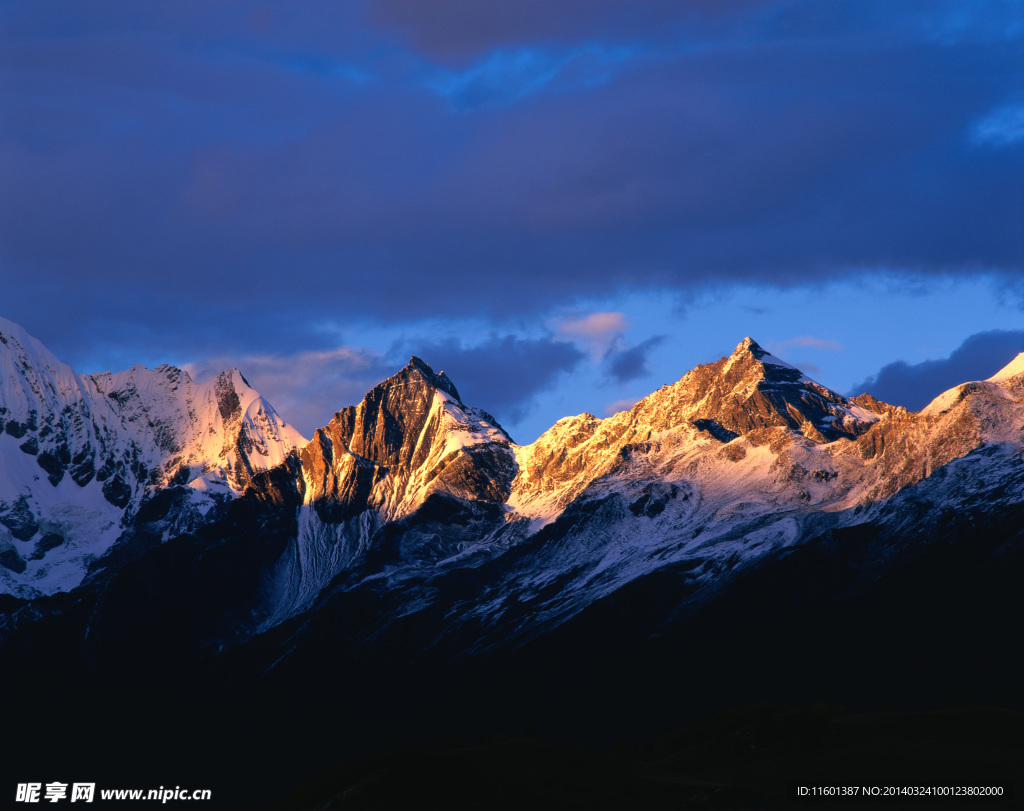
[808, 367]
[805, 341]
[596, 331]
[508, 74]
[954, 22]
[616, 406]
[1000, 128]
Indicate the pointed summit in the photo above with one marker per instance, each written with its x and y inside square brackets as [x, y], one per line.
[396, 423]
[750, 360]
[749, 346]
[439, 380]
[410, 436]
[750, 390]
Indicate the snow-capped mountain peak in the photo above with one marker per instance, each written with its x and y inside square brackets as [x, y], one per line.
[727, 410]
[410, 436]
[79, 454]
[438, 380]
[752, 389]
[220, 432]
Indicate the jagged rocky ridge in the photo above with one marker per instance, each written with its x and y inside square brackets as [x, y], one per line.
[412, 554]
[736, 460]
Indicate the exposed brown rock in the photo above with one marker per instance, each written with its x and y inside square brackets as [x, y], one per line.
[391, 447]
[870, 403]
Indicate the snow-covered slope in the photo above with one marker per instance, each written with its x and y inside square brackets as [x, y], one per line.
[742, 427]
[210, 435]
[1013, 370]
[80, 453]
[736, 461]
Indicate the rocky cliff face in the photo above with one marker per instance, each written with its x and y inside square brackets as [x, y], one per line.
[410, 448]
[410, 437]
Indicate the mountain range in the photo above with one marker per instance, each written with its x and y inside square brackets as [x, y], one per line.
[177, 550]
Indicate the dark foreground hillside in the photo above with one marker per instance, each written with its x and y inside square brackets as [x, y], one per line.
[584, 709]
[749, 758]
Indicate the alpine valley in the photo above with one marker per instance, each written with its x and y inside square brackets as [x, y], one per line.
[192, 590]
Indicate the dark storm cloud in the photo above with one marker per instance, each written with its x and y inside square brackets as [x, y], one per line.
[455, 29]
[241, 172]
[629, 364]
[458, 30]
[503, 374]
[916, 385]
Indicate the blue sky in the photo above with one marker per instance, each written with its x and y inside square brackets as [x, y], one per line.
[563, 204]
